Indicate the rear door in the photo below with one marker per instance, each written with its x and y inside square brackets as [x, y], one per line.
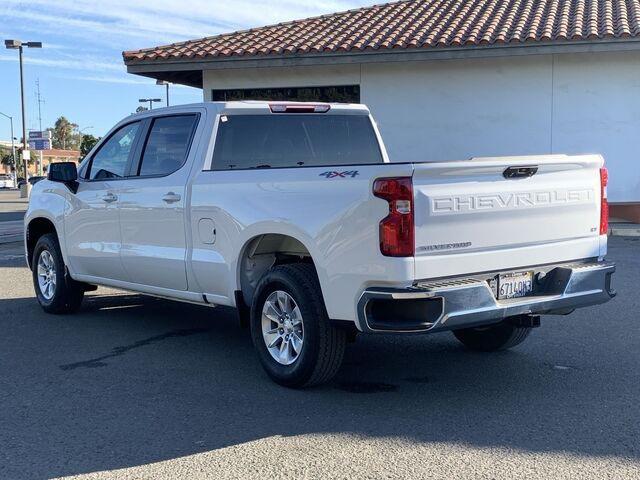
[152, 203]
[472, 216]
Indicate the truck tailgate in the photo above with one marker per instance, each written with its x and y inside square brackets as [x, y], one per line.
[470, 218]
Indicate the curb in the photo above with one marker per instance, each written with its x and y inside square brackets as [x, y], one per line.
[624, 231]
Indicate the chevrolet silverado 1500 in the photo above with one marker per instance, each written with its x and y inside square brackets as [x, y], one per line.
[293, 214]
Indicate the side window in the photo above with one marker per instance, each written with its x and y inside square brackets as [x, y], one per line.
[111, 160]
[167, 145]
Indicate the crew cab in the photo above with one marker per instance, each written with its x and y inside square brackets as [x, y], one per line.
[293, 214]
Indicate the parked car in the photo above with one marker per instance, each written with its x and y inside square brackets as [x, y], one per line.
[6, 181]
[293, 214]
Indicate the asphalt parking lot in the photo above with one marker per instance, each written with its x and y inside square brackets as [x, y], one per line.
[136, 387]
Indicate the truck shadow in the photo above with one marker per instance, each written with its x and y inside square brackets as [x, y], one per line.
[132, 380]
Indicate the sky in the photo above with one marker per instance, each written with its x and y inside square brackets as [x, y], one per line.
[80, 68]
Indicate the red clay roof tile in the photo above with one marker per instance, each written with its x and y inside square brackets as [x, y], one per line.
[418, 24]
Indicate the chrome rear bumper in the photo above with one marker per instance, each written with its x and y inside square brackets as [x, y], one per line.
[452, 304]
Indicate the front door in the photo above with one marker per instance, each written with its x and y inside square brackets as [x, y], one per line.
[92, 230]
[152, 205]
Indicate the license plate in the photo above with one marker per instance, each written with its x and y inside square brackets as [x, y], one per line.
[515, 285]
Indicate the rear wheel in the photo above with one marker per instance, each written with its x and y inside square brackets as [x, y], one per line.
[56, 291]
[296, 343]
[492, 338]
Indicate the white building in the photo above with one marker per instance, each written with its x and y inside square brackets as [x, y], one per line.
[448, 80]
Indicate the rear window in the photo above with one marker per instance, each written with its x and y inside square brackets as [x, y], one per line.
[168, 144]
[294, 140]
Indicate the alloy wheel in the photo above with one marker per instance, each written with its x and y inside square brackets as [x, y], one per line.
[282, 327]
[47, 274]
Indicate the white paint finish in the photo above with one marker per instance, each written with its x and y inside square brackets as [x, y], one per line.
[153, 232]
[335, 219]
[48, 201]
[596, 101]
[92, 227]
[316, 76]
[489, 223]
[207, 231]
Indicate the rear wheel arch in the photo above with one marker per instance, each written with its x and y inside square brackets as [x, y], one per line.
[261, 253]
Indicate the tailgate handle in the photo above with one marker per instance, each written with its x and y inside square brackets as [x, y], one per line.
[520, 172]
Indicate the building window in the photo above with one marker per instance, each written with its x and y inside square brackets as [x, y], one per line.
[335, 94]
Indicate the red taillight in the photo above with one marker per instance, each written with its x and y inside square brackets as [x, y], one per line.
[604, 205]
[396, 229]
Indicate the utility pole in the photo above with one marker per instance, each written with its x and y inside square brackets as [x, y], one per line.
[40, 102]
[19, 45]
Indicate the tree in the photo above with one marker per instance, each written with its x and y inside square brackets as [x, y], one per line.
[88, 142]
[65, 135]
[5, 157]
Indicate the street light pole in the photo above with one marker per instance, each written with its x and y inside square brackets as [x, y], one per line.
[150, 100]
[24, 120]
[13, 145]
[19, 45]
[166, 84]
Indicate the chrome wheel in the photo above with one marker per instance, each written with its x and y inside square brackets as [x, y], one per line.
[47, 275]
[282, 328]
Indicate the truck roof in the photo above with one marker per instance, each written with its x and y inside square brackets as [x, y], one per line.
[258, 106]
[246, 106]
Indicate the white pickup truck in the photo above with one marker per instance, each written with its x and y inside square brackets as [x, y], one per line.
[293, 214]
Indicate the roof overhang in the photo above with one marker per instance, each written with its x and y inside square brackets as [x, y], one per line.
[191, 77]
[188, 71]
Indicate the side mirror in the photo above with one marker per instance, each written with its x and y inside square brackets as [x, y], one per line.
[64, 172]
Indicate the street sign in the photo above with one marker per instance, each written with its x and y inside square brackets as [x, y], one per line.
[40, 135]
[43, 144]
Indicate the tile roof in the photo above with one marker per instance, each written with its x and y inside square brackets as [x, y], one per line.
[417, 24]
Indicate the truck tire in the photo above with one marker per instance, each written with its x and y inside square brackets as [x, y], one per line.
[296, 343]
[56, 291]
[492, 338]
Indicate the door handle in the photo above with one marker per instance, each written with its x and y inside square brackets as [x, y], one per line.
[109, 198]
[520, 172]
[171, 197]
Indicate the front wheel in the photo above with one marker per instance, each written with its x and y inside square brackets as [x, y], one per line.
[296, 343]
[56, 292]
[491, 338]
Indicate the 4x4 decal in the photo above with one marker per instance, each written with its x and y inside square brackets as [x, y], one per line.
[347, 173]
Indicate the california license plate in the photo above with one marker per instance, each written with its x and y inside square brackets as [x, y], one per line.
[515, 285]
